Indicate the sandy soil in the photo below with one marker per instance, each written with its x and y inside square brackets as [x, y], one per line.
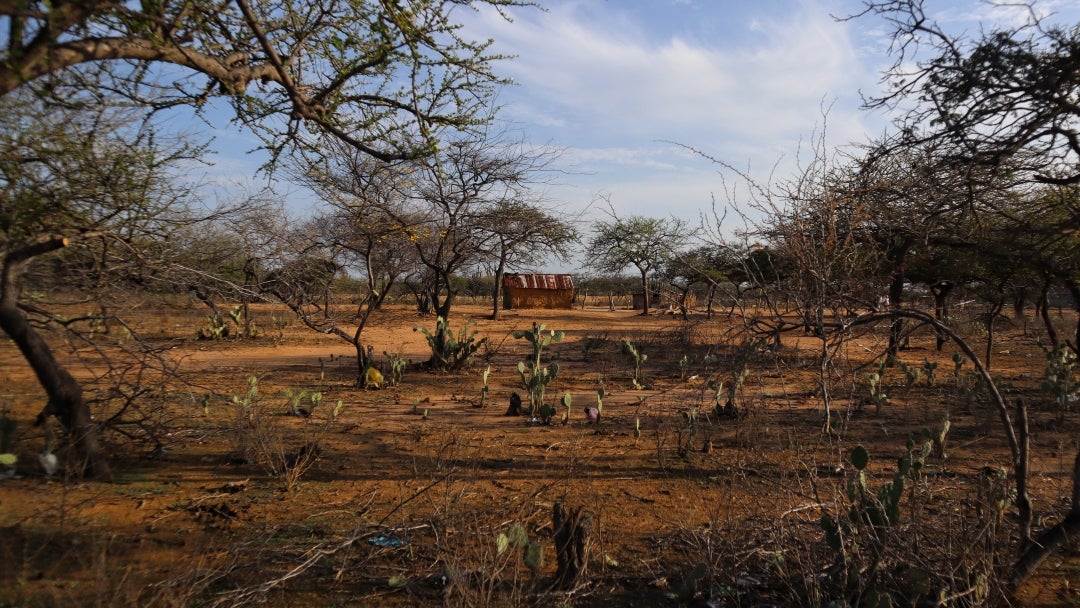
[414, 483]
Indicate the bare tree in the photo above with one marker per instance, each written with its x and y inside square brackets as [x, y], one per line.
[89, 195]
[447, 207]
[702, 265]
[359, 231]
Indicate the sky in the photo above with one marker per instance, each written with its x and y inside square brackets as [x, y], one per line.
[624, 87]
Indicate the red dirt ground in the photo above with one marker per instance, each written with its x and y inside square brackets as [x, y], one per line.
[398, 500]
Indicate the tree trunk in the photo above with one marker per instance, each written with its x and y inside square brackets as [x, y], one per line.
[941, 291]
[644, 293]
[1066, 531]
[896, 299]
[497, 292]
[1044, 313]
[571, 546]
[991, 316]
[1019, 298]
[65, 394]
[1074, 291]
[363, 362]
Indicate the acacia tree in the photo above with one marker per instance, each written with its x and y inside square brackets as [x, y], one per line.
[1003, 101]
[523, 234]
[359, 232]
[445, 206]
[639, 241]
[371, 74]
[456, 191]
[86, 193]
[1004, 96]
[384, 77]
[701, 265]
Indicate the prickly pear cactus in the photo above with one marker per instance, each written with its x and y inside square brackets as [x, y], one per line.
[534, 376]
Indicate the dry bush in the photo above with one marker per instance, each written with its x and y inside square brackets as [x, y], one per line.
[948, 547]
[259, 435]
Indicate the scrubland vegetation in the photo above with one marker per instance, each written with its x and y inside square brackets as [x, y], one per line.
[863, 393]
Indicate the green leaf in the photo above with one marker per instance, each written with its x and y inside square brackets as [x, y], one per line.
[8, 460]
[502, 541]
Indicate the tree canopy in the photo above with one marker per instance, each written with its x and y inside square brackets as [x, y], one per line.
[382, 76]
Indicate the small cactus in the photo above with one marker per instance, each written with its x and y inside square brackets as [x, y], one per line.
[532, 554]
[638, 359]
[534, 376]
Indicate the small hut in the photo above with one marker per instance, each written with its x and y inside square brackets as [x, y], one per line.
[538, 291]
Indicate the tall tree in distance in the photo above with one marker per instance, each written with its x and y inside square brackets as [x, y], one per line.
[639, 241]
[523, 235]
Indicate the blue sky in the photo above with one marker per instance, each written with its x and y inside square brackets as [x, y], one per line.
[611, 82]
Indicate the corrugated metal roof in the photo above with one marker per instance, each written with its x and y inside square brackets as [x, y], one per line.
[538, 281]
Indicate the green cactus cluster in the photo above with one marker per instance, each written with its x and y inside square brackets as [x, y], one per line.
[535, 376]
[395, 364]
[856, 537]
[883, 507]
[296, 405]
[1058, 378]
[724, 398]
[450, 351]
[930, 370]
[878, 397]
[215, 328]
[958, 364]
[912, 373]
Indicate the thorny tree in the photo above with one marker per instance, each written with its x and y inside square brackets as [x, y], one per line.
[89, 196]
[1003, 104]
[523, 234]
[1005, 97]
[384, 77]
[445, 206]
[358, 232]
[639, 241]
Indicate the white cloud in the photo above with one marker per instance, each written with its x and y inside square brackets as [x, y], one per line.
[747, 90]
[602, 74]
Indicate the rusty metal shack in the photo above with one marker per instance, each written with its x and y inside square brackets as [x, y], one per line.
[538, 291]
